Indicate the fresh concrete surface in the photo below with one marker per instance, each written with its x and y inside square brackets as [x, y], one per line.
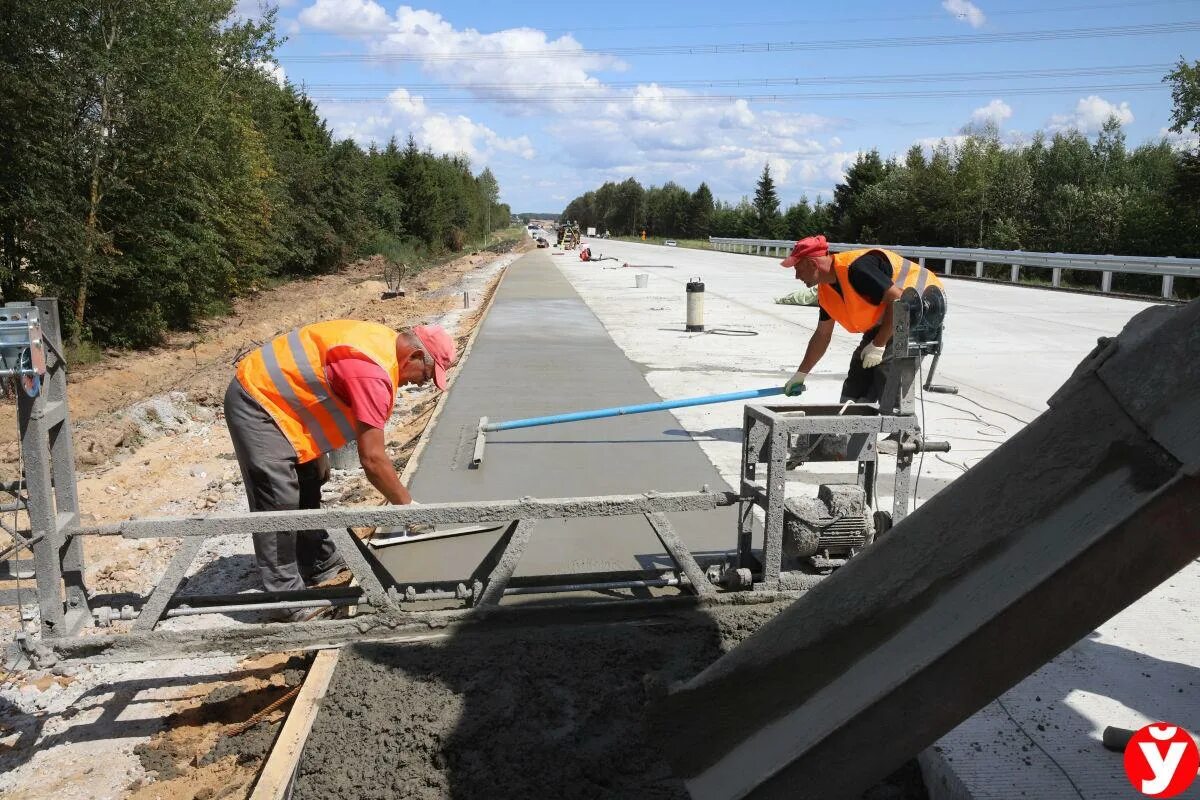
[1008, 348]
[542, 351]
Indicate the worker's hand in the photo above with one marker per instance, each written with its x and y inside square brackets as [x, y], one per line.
[795, 385]
[872, 355]
[417, 528]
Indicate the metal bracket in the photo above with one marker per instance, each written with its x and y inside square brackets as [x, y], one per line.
[22, 348]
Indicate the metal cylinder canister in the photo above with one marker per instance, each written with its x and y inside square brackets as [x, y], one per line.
[695, 305]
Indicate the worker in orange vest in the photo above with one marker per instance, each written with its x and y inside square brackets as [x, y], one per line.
[304, 394]
[856, 290]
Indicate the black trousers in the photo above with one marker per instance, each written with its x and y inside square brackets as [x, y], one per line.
[275, 481]
[864, 385]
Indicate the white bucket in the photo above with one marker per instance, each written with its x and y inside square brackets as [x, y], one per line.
[642, 280]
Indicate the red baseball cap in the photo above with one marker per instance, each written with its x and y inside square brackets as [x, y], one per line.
[808, 246]
[441, 349]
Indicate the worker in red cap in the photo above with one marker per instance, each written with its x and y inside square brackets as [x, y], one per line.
[304, 394]
[856, 290]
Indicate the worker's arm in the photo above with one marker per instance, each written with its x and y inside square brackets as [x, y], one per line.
[818, 343]
[378, 467]
[885, 324]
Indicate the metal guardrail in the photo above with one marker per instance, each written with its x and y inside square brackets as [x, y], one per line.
[1168, 267]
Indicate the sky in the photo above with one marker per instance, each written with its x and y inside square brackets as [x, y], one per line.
[560, 97]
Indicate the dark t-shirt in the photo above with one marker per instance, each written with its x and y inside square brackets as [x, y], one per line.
[870, 275]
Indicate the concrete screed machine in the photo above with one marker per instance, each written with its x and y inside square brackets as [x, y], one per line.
[934, 599]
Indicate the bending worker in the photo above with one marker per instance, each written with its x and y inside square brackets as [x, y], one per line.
[305, 394]
[855, 289]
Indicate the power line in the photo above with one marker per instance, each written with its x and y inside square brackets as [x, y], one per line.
[427, 90]
[1060, 34]
[931, 94]
[656, 29]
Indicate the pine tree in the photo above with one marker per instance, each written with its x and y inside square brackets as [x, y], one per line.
[766, 206]
[700, 213]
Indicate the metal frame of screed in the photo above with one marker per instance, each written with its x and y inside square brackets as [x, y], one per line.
[489, 582]
[56, 538]
[766, 431]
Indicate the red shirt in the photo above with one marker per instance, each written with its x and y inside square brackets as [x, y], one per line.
[361, 384]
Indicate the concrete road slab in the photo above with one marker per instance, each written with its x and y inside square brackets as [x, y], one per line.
[542, 351]
[1008, 348]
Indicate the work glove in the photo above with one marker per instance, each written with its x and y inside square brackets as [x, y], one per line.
[796, 385]
[872, 355]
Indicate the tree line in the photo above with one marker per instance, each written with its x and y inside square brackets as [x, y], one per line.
[1059, 192]
[152, 168]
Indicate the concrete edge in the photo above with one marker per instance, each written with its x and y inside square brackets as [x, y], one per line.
[415, 458]
[941, 780]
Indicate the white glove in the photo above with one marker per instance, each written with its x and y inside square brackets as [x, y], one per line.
[795, 385]
[872, 355]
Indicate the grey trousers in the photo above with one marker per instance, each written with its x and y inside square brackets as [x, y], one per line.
[275, 481]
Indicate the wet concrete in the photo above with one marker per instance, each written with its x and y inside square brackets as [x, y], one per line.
[551, 711]
[542, 351]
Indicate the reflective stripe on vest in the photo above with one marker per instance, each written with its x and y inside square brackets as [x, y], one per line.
[287, 377]
[850, 309]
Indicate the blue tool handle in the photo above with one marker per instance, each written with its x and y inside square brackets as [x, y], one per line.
[618, 411]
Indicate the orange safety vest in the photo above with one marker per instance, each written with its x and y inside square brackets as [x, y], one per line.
[850, 309]
[287, 378]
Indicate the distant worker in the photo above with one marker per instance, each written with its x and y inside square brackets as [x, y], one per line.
[856, 289]
[304, 394]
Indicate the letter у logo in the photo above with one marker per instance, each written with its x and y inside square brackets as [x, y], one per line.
[1161, 760]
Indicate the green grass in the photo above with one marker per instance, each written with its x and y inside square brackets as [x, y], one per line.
[82, 354]
[695, 244]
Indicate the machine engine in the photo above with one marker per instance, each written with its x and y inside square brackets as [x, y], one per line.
[830, 527]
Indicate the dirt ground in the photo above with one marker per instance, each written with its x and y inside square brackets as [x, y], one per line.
[547, 711]
[150, 440]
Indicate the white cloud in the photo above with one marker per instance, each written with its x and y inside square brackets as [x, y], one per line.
[1187, 140]
[656, 138]
[404, 113]
[966, 11]
[273, 70]
[996, 111]
[1090, 114]
[931, 143]
[653, 132]
[345, 16]
[487, 70]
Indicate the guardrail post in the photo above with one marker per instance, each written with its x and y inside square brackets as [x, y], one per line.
[978, 269]
[949, 268]
[921, 260]
[1056, 276]
[1016, 272]
[1106, 281]
[1168, 286]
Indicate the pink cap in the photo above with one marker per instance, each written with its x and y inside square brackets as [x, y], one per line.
[806, 247]
[441, 349]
